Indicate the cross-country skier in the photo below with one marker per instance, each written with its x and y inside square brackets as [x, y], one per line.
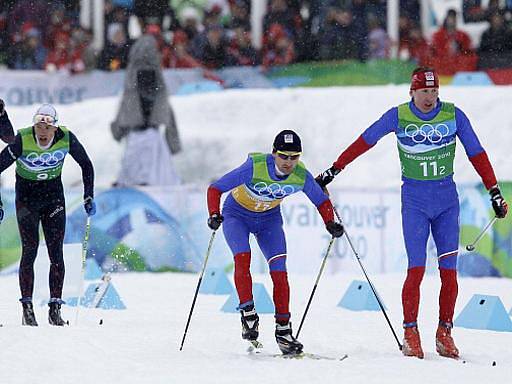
[426, 130]
[257, 188]
[39, 151]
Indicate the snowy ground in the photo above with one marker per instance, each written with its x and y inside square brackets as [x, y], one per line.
[141, 344]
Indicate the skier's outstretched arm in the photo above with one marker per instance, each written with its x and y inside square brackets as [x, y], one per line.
[363, 143]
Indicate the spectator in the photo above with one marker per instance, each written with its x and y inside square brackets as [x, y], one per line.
[150, 11]
[495, 49]
[451, 48]
[114, 55]
[144, 108]
[241, 49]
[240, 16]
[378, 40]
[413, 46]
[337, 37]
[63, 57]
[278, 47]
[472, 10]
[29, 53]
[82, 43]
[179, 55]
[190, 22]
[360, 27]
[210, 48]
[279, 13]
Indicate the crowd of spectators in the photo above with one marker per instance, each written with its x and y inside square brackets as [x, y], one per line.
[211, 34]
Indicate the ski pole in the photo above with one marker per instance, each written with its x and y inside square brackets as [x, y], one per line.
[82, 272]
[197, 288]
[369, 282]
[471, 247]
[314, 287]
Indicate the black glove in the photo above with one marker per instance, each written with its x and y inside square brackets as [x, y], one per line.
[335, 229]
[1, 211]
[2, 107]
[499, 204]
[327, 176]
[89, 206]
[215, 220]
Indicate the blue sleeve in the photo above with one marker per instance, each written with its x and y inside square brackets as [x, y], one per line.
[313, 190]
[386, 124]
[467, 135]
[236, 177]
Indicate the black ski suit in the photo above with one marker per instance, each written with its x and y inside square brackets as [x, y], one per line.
[43, 201]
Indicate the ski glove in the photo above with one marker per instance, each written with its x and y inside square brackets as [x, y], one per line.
[90, 206]
[335, 229]
[499, 204]
[327, 176]
[215, 220]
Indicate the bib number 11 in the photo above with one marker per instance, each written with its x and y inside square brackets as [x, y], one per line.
[435, 170]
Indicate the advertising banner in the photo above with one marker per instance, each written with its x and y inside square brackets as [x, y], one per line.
[162, 229]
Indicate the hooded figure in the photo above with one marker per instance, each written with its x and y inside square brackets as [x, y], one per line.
[145, 101]
[144, 108]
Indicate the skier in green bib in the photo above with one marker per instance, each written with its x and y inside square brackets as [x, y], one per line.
[39, 152]
[426, 130]
[257, 188]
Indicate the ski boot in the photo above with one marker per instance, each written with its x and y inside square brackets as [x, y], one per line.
[445, 345]
[250, 321]
[412, 342]
[29, 317]
[54, 317]
[288, 344]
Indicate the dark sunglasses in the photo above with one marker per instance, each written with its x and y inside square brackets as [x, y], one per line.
[286, 156]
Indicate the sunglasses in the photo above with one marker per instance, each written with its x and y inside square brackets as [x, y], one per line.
[49, 120]
[287, 156]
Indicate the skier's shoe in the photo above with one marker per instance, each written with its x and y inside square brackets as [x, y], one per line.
[445, 345]
[29, 317]
[54, 317]
[288, 344]
[250, 322]
[412, 343]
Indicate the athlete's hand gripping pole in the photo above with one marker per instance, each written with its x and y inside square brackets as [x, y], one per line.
[82, 272]
[471, 247]
[369, 282]
[316, 284]
[197, 288]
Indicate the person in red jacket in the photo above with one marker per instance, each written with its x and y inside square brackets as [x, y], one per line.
[451, 48]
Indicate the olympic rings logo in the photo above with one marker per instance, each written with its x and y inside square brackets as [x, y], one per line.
[427, 132]
[275, 190]
[49, 159]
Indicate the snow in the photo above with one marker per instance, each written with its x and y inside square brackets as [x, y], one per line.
[219, 129]
[141, 343]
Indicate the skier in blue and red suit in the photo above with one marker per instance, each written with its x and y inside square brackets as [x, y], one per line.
[426, 130]
[257, 188]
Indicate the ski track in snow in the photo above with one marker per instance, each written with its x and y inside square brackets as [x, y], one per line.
[141, 344]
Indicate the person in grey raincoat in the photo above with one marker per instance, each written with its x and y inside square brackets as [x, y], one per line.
[145, 108]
